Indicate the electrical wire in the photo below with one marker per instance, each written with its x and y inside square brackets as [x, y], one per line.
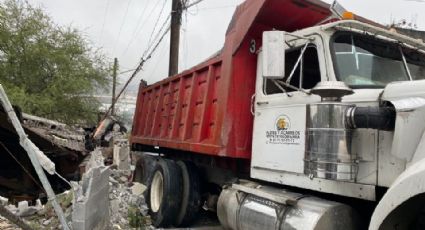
[62, 178]
[156, 22]
[104, 20]
[122, 25]
[185, 41]
[139, 29]
[192, 4]
[23, 167]
[162, 51]
[149, 52]
[159, 31]
[216, 8]
[139, 20]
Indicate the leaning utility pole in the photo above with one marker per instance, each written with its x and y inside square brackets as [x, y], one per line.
[114, 85]
[176, 15]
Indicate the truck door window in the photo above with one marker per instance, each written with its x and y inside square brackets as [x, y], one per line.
[306, 76]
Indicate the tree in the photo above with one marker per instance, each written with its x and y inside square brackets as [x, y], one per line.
[48, 70]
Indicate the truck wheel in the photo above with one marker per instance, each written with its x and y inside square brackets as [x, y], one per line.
[144, 170]
[191, 199]
[165, 193]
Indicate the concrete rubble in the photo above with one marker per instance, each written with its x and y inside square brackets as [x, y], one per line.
[104, 199]
[121, 154]
[90, 209]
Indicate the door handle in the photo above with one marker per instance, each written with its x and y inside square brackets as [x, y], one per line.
[262, 102]
[252, 105]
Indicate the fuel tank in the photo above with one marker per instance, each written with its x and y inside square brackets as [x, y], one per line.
[253, 206]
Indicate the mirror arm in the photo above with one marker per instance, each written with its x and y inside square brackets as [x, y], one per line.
[297, 63]
[292, 87]
[278, 85]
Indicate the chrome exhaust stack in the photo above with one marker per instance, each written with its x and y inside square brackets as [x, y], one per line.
[328, 137]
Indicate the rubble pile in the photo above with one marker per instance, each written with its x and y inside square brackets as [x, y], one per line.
[127, 202]
[39, 216]
[127, 206]
[6, 225]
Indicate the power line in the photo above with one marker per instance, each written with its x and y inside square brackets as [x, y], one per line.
[149, 51]
[193, 3]
[138, 30]
[162, 52]
[126, 71]
[122, 24]
[104, 20]
[159, 31]
[215, 8]
[157, 20]
[139, 20]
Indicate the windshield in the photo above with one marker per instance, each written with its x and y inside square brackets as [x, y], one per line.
[366, 62]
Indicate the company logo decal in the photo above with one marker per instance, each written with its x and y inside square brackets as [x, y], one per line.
[283, 133]
[283, 123]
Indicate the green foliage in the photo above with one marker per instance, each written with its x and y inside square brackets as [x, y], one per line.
[136, 220]
[48, 70]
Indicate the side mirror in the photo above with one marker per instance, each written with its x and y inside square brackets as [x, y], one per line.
[274, 54]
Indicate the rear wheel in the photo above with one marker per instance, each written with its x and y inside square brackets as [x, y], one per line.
[144, 170]
[165, 193]
[191, 199]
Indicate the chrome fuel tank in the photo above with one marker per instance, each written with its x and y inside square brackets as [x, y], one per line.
[241, 210]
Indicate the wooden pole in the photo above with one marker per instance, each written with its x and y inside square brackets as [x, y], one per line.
[114, 85]
[176, 15]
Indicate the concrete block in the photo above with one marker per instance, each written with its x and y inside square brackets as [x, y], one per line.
[121, 156]
[91, 211]
[138, 189]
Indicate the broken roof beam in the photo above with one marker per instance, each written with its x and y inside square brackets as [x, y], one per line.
[36, 156]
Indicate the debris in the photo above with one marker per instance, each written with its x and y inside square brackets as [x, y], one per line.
[37, 157]
[96, 160]
[3, 200]
[138, 189]
[48, 221]
[108, 130]
[121, 154]
[63, 145]
[25, 210]
[127, 203]
[92, 194]
[12, 218]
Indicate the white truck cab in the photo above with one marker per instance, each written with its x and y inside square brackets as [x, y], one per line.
[339, 108]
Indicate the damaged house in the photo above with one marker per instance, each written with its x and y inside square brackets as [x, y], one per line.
[65, 146]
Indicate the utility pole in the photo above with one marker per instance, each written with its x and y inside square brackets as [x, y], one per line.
[114, 85]
[176, 15]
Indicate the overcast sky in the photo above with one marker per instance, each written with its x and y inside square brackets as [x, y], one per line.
[122, 28]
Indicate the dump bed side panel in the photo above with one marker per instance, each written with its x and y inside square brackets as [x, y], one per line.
[181, 112]
[206, 109]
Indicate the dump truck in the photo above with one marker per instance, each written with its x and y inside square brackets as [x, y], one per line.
[309, 117]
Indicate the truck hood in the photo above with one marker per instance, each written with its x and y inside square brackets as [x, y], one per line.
[404, 89]
[408, 98]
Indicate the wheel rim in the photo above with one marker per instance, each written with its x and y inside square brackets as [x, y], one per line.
[157, 188]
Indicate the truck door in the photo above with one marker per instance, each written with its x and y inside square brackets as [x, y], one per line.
[280, 112]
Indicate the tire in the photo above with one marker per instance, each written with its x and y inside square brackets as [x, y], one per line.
[165, 193]
[191, 199]
[144, 170]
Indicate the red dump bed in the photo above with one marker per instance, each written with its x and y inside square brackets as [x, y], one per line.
[207, 109]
